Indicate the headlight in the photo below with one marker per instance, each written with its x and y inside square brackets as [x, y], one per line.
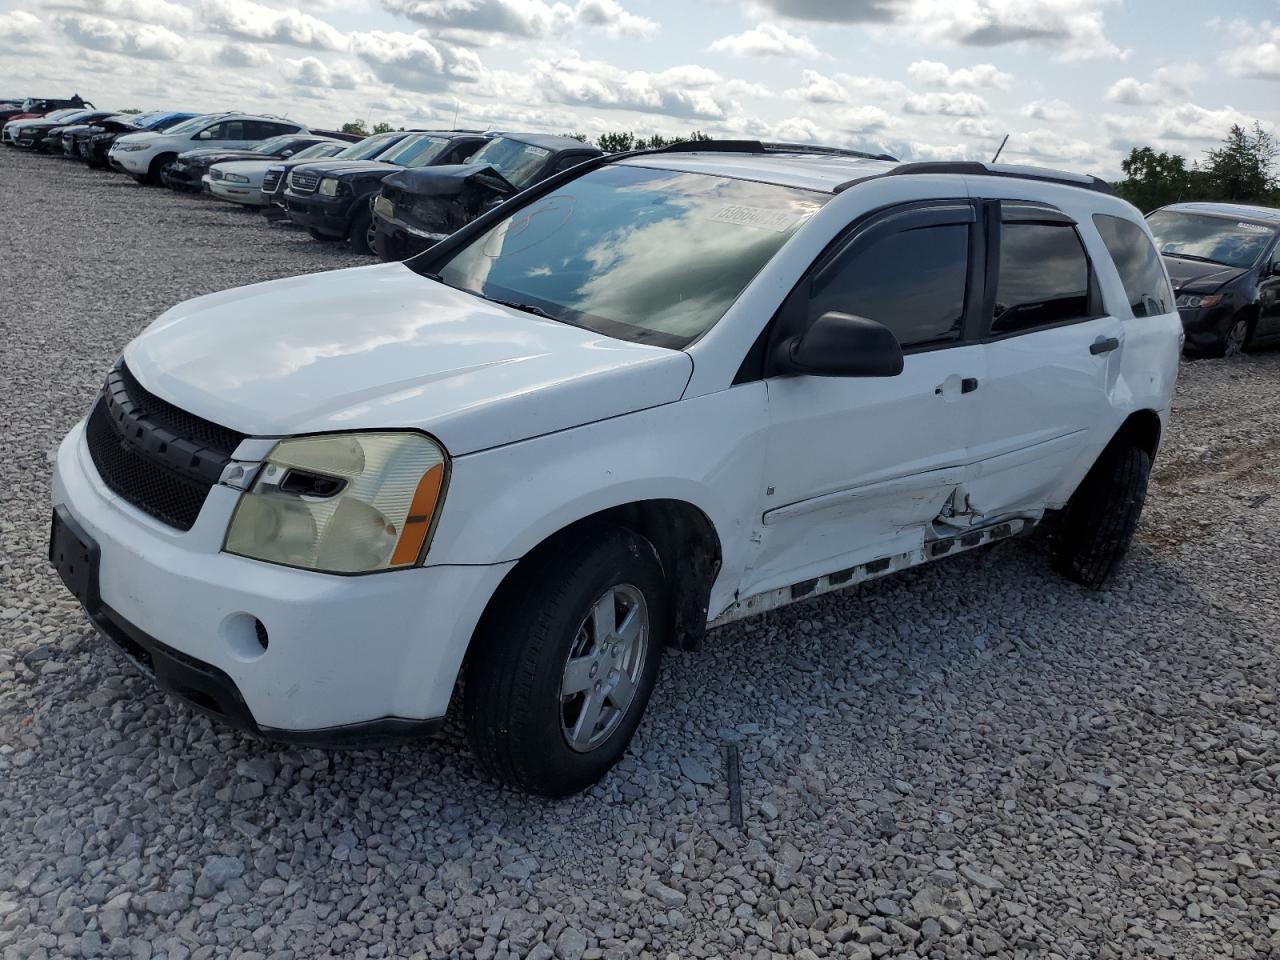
[330, 187]
[235, 178]
[1197, 301]
[130, 147]
[342, 503]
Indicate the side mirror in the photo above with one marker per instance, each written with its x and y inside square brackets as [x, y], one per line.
[204, 135]
[287, 154]
[841, 345]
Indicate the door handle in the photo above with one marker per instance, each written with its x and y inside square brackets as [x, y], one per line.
[1104, 345]
[968, 384]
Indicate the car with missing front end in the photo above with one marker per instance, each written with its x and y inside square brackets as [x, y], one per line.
[1224, 261]
[650, 396]
[333, 200]
[421, 206]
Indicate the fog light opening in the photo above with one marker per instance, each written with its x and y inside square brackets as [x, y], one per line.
[260, 630]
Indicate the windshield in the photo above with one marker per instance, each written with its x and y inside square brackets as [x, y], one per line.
[190, 126]
[516, 161]
[417, 152]
[1234, 243]
[370, 146]
[275, 144]
[165, 123]
[654, 256]
[317, 150]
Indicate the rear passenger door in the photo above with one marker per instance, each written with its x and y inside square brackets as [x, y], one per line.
[1051, 353]
[228, 133]
[858, 467]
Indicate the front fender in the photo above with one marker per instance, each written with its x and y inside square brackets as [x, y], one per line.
[708, 451]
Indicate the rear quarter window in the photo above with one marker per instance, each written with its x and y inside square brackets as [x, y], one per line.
[1145, 285]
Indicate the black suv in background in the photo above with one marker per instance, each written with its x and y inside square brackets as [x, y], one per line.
[420, 207]
[273, 181]
[1225, 267]
[333, 199]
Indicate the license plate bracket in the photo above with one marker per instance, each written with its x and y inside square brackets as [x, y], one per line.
[75, 556]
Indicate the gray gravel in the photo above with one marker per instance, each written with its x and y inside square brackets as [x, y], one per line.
[971, 759]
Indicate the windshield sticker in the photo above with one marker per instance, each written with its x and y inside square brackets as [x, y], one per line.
[1252, 227]
[537, 151]
[761, 218]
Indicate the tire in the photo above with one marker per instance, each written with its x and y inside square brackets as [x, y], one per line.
[360, 234]
[157, 168]
[525, 730]
[1098, 523]
[1236, 340]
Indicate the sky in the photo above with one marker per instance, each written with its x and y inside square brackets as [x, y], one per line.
[1074, 83]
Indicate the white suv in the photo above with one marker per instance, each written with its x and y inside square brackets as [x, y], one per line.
[146, 155]
[655, 394]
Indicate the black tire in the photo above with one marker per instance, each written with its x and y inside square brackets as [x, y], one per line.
[1235, 339]
[358, 232]
[1099, 521]
[157, 167]
[516, 669]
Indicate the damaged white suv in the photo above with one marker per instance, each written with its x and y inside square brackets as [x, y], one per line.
[654, 394]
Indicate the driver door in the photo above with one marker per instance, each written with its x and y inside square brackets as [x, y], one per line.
[857, 468]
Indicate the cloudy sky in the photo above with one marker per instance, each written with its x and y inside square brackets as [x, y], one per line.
[1075, 82]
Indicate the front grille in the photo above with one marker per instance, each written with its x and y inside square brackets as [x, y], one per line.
[270, 181]
[303, 182]
[161, 459]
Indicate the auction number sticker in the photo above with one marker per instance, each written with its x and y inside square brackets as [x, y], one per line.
[761, 218]
[1253, 227]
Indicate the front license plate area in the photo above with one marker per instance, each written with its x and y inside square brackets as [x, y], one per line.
[75, 556]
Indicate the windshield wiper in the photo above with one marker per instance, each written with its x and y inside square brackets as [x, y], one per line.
[526, 307]
[1192, 256]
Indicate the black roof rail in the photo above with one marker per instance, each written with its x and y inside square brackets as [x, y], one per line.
[823, 149]
[760, 146]
[975, 169]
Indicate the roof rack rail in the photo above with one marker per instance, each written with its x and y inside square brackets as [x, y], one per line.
[786, 147]
[974, 168]
[760, 146]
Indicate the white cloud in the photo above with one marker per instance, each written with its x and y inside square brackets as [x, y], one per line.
[312, 73]
[766, 40]
[144, 41]
[946, 104]
[517, 18]
[1256, 58]
[243, 55]
[409, 60]
[609, 16]
[930, 73]
[844, 88]
[159, 13]
[1167, 85]
[685, 91]
[1051, 111]
[18, 26]
[244, 18]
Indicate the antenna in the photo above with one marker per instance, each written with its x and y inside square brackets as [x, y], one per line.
[1001, 149]
[457, 106]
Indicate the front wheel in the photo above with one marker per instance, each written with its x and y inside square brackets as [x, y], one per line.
[563, 664]
[1102, 515]
[1236, 339]
[360, 235]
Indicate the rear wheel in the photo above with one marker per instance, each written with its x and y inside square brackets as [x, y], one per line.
[1102, 515]
[563, 665]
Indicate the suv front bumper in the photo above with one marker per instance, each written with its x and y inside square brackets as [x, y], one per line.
[347, 657]
[394, 239]
[329, 216]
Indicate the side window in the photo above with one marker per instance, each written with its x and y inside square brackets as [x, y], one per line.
[1044, 277]
[913, 282]
[1136, 260]
[570, 162]
[258, 130]
[227, 130]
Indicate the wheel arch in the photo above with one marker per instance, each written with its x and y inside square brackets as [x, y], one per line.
[688, 547]
[1142, 429]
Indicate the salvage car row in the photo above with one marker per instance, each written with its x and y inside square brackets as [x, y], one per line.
[394, 193]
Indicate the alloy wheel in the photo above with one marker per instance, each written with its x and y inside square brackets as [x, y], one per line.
[1236, 338]
[606, 661]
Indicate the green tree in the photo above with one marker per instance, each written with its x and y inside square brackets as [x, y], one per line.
[131, 111]
[620, 141]
[383, 127]
[1153, 180]
[356, 127]
[1243, 168]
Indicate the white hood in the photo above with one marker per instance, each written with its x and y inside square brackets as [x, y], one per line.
[382, 347]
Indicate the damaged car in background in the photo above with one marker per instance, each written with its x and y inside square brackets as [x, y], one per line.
[420, 207]
[240, 181]
[333, 200]
[274, 179]
[94, 143]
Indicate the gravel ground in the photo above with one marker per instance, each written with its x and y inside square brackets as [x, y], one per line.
[975, 758]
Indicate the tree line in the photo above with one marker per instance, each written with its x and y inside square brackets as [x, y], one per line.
[1241, 170]
[614, 141]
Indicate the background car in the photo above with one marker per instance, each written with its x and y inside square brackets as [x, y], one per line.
[146, 156]
[188, 170]
[240, 181]
[32, 107]
[13, 129]
[421, 206]
[1225, 267]
[46, 135]
[94, 144]
[273, 181]
[333, 201]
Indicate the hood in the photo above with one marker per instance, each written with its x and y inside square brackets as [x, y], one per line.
[142, 136]
[339, 168]
[382, 347]
[449, 180]
[205, 154]
[245, 166]
[1200, 277]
